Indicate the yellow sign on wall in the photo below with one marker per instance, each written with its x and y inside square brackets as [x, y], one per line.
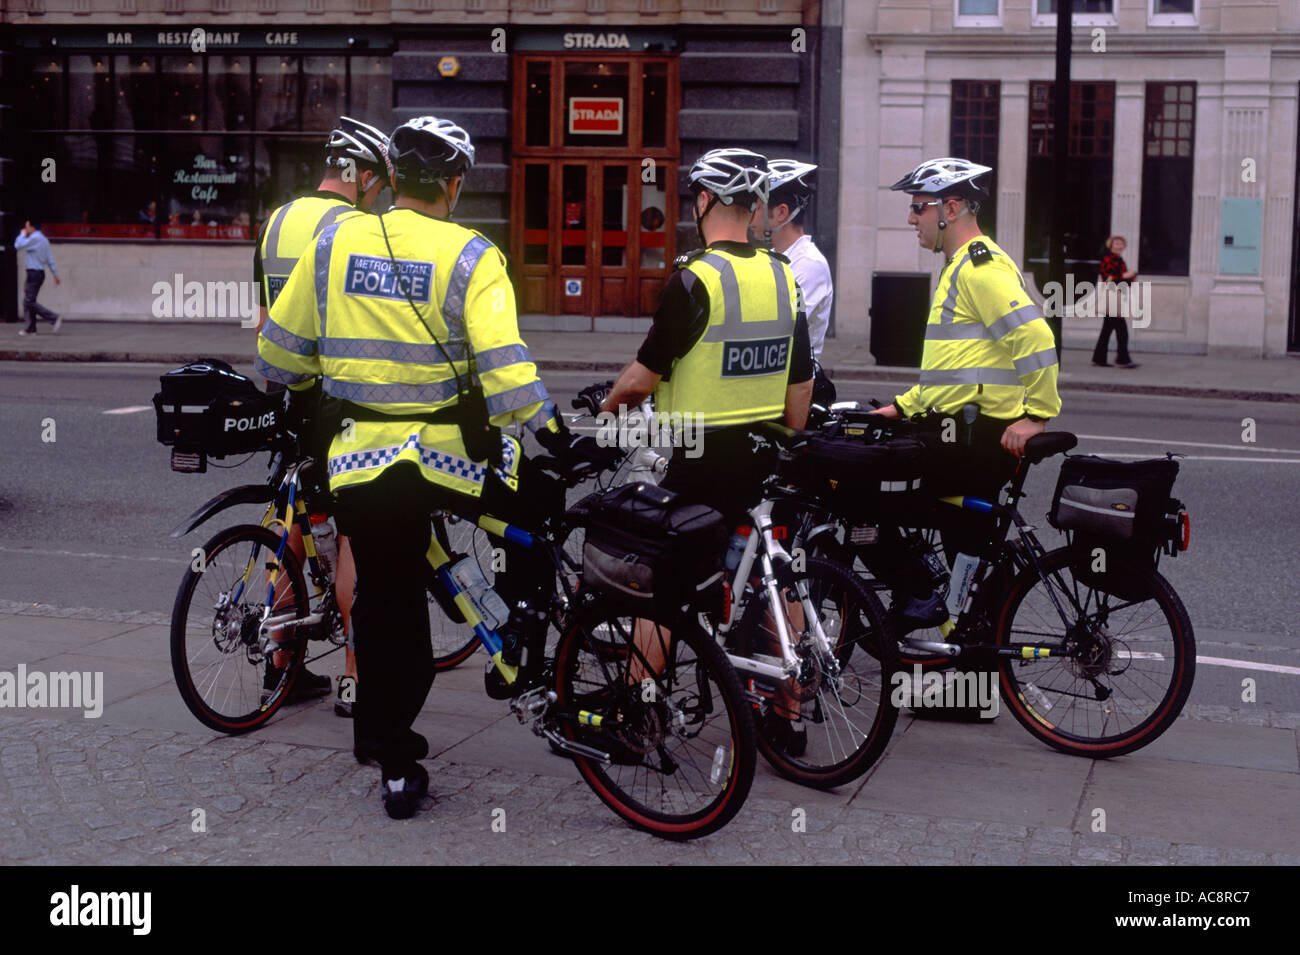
[448, 66]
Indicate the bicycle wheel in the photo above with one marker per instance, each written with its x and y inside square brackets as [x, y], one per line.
[219, 660]
[1136, 662]
[845, 704]
[671, 716]
[451, 646]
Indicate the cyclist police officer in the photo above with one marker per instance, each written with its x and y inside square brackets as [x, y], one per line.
[388, 309]
[354, 176]
[987, 344]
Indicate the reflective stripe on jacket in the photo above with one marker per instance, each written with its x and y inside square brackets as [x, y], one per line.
[737, 371]
[289, 231]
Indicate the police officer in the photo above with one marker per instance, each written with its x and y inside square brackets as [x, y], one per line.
[987, 345]
[353, 178]
[389, 309]
[728, 345]
[728, 349]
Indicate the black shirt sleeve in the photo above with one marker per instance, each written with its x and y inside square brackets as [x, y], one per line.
[801, 358]
[257, 268]
[679, 321]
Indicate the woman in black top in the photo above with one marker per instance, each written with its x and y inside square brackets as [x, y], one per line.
[1111, 270]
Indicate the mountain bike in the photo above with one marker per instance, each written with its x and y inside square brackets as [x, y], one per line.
[668, 746]
[219, 668]
[1092, 662]
[790, 625]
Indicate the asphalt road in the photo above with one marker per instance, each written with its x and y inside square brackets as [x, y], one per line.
[86, 503]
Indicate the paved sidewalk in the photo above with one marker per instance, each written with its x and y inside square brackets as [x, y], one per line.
[1221, 787]
[605, 353]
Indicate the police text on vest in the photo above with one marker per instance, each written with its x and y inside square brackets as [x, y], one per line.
[764, 357]
[374, 276]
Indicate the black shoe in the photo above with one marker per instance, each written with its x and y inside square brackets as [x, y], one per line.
[781, 733]
[308, 685]
[918, 613]
[1101, 364]
[366, 751]
[343, 707]
[402, 796]
[1127, 364]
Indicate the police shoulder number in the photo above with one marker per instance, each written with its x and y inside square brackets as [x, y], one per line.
[686, 258]
[980, 253]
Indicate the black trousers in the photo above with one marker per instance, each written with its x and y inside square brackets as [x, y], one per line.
[32, 310]
[1112, 323]
[387, 520]
[729, 473]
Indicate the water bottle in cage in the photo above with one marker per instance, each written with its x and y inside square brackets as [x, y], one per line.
[487, 602]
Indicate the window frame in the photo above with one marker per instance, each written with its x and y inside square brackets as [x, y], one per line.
[1192, 19]
[1111, 19]
[963, 20]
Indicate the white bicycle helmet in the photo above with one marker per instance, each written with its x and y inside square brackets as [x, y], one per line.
[943, 177]
[729, 174]
[429, 150]
[360, 142]
[791, 183]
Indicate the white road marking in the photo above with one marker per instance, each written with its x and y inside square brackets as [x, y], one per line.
[129, 409]
[1219, 662]
[1206, 457]
[1188, 444]
[69, 553]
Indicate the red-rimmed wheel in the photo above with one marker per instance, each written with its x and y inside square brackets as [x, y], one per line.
[670, 713]
[1132, 656]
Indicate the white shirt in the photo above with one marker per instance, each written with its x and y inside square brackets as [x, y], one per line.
[813, 274]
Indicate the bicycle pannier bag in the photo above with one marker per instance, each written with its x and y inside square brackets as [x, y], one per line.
[207, 407]
[857, 479]
[647, 548]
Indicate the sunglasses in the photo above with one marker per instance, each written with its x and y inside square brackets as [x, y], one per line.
[919, 207]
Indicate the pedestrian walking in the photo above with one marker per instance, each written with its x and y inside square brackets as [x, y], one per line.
[32, 241]
[1112, 270]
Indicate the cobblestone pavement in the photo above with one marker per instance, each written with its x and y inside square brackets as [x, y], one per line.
[75, 794]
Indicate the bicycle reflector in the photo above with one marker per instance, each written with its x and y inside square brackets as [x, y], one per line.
[189, 462]
[1185, 530]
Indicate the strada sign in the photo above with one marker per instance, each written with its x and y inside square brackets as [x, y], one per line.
[599, 115]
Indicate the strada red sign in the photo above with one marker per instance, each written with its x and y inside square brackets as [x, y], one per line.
[601, 115]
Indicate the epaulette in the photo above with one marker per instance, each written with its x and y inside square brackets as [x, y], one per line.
[980, 254]
[779, 256]
[685, 258]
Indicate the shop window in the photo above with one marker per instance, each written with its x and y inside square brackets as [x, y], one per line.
[614, 217]
[654, 220]
[573, 209]
[324, 82]
[230, 93]
[102, 194]
[595, 103]
[1168, 146]
[43, 104]
[1089, 175]
[537, 214]
[654, 105]
[91, 92]
[537, 104]
[276, 89]
[137, 92]
[973, 135]
[207, 188]
[182, 92]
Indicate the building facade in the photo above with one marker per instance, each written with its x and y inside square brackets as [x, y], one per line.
[154, 136]
[1183, 139]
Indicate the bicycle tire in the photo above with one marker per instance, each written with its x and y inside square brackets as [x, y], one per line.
[226, 693]
[1164, 696]
[669, 735]
[849, 721]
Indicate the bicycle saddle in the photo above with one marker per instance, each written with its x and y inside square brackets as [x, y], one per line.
[1048, 443]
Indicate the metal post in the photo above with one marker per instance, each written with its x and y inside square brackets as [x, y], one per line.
[1060, 156]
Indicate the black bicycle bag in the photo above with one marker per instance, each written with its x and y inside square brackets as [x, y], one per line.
[647, 548]
[208, 408]
[858, 479]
